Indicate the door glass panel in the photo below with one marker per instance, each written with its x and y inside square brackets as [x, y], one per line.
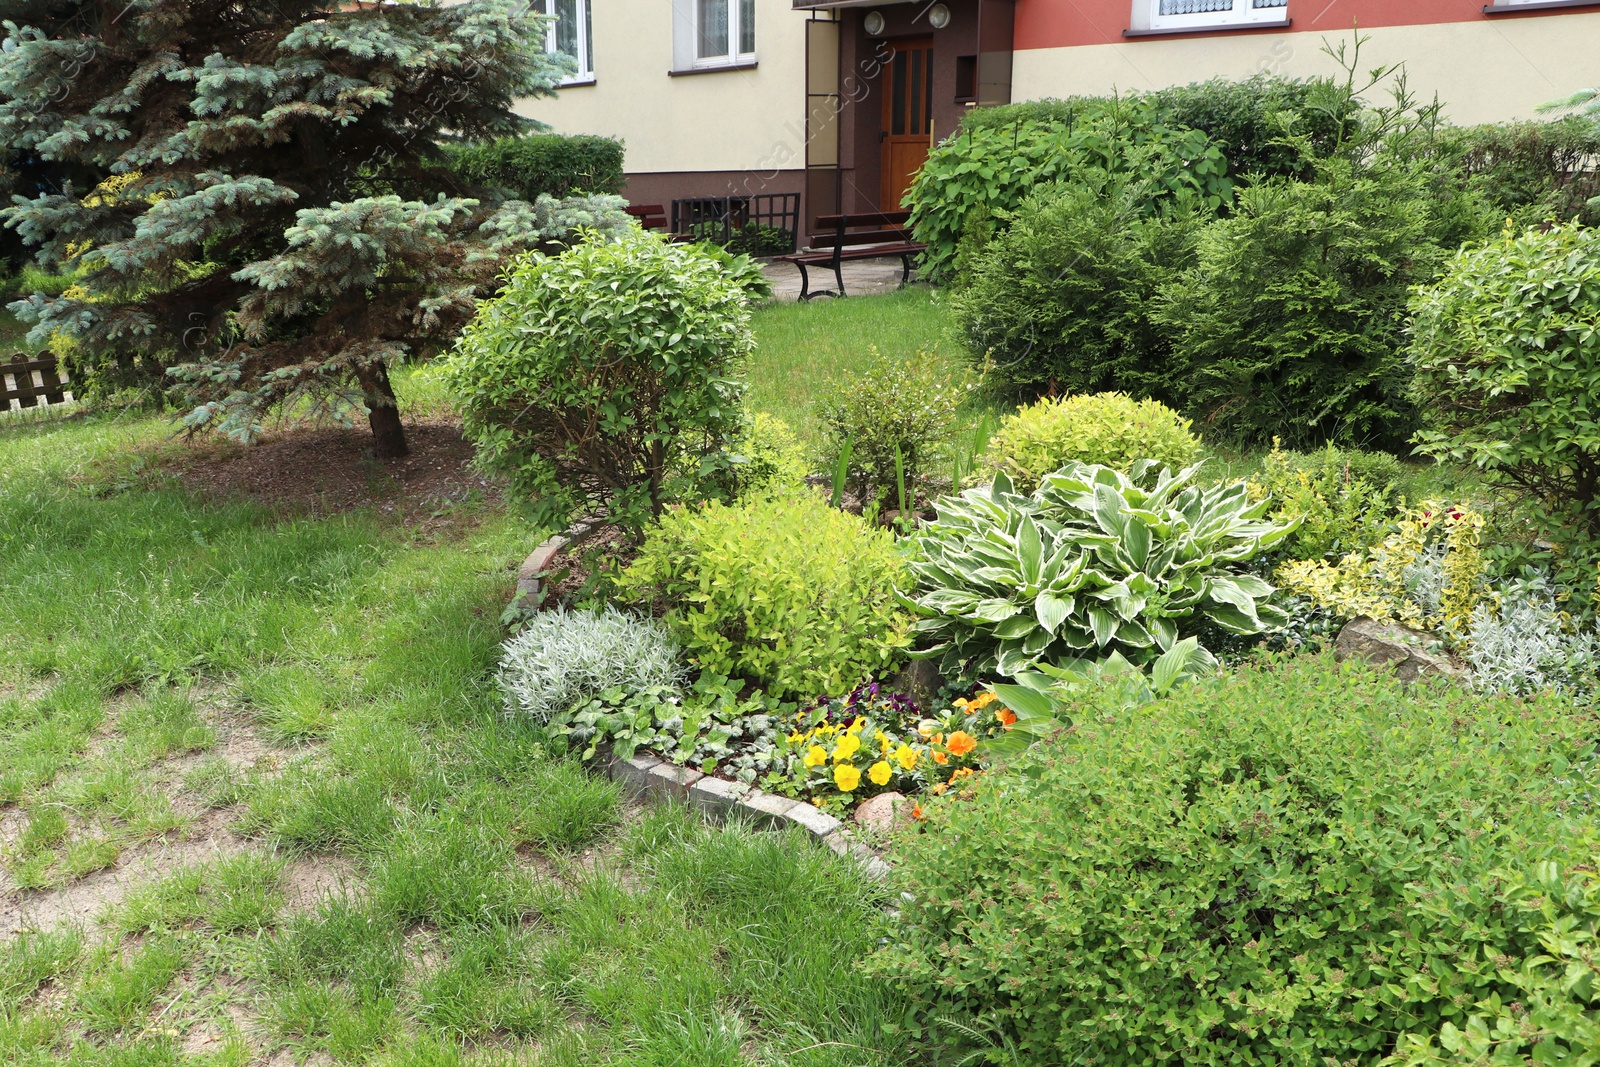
[897, 103]
[927, 96]
[712, 17]
[915, 126]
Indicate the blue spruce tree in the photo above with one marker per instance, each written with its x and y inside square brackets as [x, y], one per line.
[276, 223]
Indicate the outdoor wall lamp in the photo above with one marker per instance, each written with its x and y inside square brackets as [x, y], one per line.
[938, 16]
[874, 23]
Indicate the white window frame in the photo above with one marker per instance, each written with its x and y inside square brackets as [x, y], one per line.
[1147, 16]
[686, 38]
[585, 73]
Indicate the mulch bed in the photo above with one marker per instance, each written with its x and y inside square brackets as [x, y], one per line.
[329, 470]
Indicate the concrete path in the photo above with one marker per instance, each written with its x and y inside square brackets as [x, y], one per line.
[863, 277]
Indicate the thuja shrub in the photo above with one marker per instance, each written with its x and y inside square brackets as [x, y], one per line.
[1294, 864]
[1111, 429]
[1506, 350]
[547, 164]
[597, 377]
[782, 591]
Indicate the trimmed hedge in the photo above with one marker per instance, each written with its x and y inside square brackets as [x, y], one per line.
[1295, 864]
[543, 163]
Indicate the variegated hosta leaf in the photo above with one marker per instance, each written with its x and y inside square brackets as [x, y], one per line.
[1094, 562]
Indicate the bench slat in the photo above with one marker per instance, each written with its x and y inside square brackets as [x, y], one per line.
[867, 218]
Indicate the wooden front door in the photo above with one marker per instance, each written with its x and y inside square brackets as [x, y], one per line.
[907, 130]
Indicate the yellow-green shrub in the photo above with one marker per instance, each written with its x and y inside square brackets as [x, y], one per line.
[1343, 499]
[768, 457]
[783, 591]
[1112, 429]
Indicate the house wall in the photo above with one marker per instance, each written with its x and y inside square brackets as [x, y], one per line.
[1484, 69]
[729, 122]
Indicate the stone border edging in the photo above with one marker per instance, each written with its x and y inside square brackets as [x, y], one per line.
[530, 576]
[646, 777]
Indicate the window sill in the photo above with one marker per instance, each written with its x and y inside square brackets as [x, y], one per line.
[1543, 5]
[717, 69]
[1223, 27]
[576, 83]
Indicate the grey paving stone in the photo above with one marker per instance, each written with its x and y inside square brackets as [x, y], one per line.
[765, 809]
[668, 780]
[633, 774]
[820, 823]
[714, 796]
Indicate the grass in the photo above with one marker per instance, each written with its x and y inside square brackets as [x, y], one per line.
[800, 346]
[490, 902]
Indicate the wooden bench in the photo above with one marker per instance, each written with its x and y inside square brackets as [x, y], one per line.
[873, 235]
[654, 217]
[18, 385]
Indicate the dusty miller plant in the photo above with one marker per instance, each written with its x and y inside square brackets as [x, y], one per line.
[1525, 641]
[561, 658]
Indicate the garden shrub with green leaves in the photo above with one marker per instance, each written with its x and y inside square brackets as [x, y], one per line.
[784, 592]
[1061, 299]
[1108, 429]
[1506, 354]
[1094, 561]
[1343, 500]
[988, 172]
[888, 419]
[549, 164]
[1290, 323]
[600, 378]
[1298, 863]
[765, 457]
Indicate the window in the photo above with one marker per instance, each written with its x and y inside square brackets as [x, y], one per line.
[1205, 14]
[714, 33]
[572, 35]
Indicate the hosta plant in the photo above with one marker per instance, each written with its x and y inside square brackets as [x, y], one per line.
[1091, 563]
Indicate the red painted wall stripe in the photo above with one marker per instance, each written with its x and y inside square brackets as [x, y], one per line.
[1063, 23]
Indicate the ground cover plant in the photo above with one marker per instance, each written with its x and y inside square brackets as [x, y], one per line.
[285, 733]
[1281, 866]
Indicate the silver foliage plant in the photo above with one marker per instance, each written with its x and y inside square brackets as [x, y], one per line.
[564, 657]
[1525, 642]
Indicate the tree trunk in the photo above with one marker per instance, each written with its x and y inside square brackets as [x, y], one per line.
[383, 412]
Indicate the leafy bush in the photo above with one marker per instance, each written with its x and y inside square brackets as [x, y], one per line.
[543, 164]
[1506, 349]
[988, 172]
[893, 414]
[765, 458]
[1293, 864]
[1061, 300]
[1109, 429]
[1342, 500]
[1290, 323]
[1429, 573]
[784, 592]
[1091, 563]
[599, 375]
[1533, 171]
[562, 658]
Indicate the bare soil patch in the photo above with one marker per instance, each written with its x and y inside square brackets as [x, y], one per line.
[329, 470]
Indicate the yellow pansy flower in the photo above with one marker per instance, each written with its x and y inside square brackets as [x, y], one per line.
[816, 756]
[880, 773]
[906, 756]
[846, 777]
[848, 746]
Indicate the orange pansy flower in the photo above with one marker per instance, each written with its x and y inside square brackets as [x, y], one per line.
[961, 743]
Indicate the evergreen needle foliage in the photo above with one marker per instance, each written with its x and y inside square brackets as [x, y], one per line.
[269, 214]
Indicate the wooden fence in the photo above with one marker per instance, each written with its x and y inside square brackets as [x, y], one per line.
[32, 381]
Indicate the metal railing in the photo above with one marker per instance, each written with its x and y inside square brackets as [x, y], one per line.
[761, 224]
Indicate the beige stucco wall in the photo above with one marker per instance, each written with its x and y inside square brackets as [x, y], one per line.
[734, 120]
[1483, 71]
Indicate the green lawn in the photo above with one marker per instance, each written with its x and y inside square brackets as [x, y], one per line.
[799, 347]
[286, 735]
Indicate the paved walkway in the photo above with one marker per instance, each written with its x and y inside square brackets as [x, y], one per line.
[862, 277]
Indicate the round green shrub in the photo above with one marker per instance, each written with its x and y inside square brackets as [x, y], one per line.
[1506, 350]
[599, 377]
[783, 591]
[1295, 864]
[1110, 429]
